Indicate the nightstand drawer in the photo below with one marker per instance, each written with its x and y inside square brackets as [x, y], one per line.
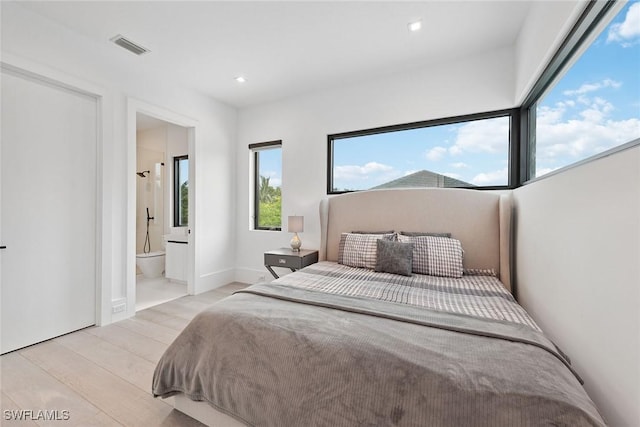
[287, 258]
[283, 261]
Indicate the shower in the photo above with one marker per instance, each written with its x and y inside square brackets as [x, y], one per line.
[147, 241]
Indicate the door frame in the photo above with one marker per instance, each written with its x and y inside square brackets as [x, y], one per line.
[31, 70]
[135, 106]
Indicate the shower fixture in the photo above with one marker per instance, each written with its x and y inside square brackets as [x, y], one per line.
[147, 241]
[142, 174]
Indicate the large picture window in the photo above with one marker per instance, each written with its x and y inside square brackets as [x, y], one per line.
[468, 151]
[267, 174]
[588, 100]
[585, 104]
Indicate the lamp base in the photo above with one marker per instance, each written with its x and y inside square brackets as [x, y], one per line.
[296, 243]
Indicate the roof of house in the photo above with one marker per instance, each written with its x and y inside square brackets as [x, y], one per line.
[424, 178]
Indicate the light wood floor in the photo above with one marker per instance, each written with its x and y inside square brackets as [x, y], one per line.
[102, 375]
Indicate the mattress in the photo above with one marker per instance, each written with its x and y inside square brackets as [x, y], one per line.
[331, 345]
[478, 293]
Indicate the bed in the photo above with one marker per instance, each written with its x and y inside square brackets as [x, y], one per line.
[341, 344]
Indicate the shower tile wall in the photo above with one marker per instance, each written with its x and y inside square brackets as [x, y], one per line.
[154, 146]
[150, 194]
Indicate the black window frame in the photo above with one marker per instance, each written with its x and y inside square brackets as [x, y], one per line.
[513, 149]
[176, 191]
[522, 136]
[255, 150]
[590, 19]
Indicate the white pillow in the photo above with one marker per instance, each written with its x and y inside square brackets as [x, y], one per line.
[435, 256]
[360, 250]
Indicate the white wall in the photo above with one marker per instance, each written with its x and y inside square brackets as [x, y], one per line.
[44, 47]
[535, 48]
[485, 82]
[475, 84]
[578, 274]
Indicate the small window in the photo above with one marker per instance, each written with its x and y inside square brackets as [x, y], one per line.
[267, 174]
[468, 152]
[181, 191]
[591, 101]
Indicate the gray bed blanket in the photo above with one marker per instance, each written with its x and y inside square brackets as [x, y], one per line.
[271, 355]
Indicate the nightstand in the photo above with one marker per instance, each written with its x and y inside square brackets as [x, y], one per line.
[285, 257]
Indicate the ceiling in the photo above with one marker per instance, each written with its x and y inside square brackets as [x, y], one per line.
[286, 48]
[144, 122]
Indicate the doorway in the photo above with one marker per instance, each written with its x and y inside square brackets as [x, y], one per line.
[157, 136]
[162, 202]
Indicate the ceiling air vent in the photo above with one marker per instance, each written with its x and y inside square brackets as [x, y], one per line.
[129, 45]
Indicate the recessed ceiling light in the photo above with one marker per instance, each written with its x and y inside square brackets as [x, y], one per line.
[240, 79]
[415, 26]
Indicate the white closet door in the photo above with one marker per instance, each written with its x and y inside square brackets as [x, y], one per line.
[47, 211]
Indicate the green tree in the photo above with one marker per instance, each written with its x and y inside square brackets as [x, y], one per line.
[184, 203]
[270, 204]
[266, 191]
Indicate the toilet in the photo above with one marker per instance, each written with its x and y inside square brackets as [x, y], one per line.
[151, 264]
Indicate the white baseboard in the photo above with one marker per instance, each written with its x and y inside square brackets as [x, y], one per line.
[252, 276]
[214, 280]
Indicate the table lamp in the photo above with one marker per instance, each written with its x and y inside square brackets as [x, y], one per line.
[296, 225]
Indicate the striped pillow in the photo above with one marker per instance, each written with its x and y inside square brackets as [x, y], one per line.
[435, 256]
[360, 250]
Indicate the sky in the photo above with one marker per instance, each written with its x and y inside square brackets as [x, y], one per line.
[593, 106]
[596, 105]
[271, 165]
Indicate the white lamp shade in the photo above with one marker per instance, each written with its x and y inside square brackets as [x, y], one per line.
[296, 224]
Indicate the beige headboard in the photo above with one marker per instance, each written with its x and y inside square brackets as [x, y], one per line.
[479, 219]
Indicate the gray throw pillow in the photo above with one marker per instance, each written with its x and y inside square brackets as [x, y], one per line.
[394, 257]
[421, 233]
[372, 232]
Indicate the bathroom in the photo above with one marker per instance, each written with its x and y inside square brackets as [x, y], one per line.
[162, 170]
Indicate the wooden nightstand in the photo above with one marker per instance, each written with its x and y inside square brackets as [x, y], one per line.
[285, 257]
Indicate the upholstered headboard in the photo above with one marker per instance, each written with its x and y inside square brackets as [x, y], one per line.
[479, 219]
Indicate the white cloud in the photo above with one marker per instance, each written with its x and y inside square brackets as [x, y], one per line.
[274, 179]
[590, 131]
[436, 153]
[499, 177]
[487, 136]
[363, 176]
[592, 87]
[546, 114]
[349, 172]
[628, 31]
[597, 110]
[275, 182]
[459, 165]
